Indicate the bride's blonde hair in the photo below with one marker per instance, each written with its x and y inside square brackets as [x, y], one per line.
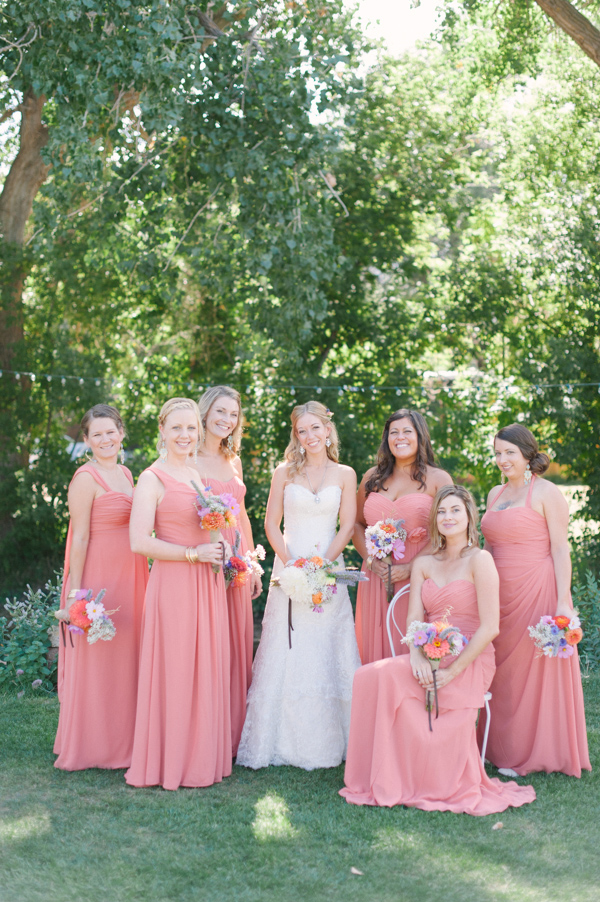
[293, 455]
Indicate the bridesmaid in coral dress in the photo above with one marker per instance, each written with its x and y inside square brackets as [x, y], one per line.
[394, 757]
[400, 486]
[220, 467]
[537, 713]
[97, 684]
[182, 730]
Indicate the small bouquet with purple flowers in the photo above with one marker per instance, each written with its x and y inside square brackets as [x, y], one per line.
[89, 617]
[385, 541]
[556, 637]
[436, 640]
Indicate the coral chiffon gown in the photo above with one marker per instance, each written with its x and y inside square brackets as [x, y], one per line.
[537, 712]
[394, 758]
[97, 684]
[241, 622]
[183, 728]
[371, 598]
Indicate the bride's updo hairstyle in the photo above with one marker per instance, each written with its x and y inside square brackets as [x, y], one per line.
[525, 441]
[438, 541]
[384, 466]
[171, 406]
[293, 455]
[206, 401]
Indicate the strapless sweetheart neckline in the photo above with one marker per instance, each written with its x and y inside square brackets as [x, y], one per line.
[452, 581]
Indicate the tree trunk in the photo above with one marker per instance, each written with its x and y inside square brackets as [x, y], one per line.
[573, 23]
[27, 174]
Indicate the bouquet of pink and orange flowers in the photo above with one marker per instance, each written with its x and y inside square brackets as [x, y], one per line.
[216, 512]
[89, 618]
[556, 637]
[385, 541]
[436, 640]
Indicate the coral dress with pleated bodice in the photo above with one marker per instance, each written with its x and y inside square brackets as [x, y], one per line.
[97, 684]
[183, 725]
[241, 621]
[537, 712]
[393, 756]
[371, 598]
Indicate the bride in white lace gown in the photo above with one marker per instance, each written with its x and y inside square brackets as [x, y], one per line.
[299, 702]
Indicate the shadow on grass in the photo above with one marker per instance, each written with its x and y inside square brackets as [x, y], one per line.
[275, 834]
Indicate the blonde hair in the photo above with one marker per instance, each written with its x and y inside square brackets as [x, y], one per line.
[171, 406]
[206, 401]
[293, 455]
[438, 541]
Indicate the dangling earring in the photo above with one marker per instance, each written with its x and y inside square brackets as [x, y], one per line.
[230, 442]
[89, 456]
[328, 442]
[122, 454]
[502, 478]
[302, 450]
[162, 452]
[527, 475]
[469, 537]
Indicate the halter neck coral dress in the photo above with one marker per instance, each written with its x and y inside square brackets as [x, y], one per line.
[97, 684]
[241, 622]
[183, 729]
[371, 598]
[395, 759]
[537, 713]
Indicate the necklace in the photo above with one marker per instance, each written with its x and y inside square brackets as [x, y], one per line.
[316, 494]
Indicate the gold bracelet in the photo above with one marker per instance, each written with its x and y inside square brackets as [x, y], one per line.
[194, 556]
[370, 562]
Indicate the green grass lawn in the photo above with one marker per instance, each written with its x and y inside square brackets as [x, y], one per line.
[275, 834]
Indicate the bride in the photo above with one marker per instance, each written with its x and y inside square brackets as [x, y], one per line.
[299, 701]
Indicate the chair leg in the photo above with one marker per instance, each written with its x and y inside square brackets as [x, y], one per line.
[488, 717]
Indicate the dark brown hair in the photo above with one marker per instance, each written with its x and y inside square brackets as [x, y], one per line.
[525, 441]
[98, 411]
[386, 460]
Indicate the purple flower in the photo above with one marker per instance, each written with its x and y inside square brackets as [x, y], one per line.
[420, 637]
[546, 619]
[318, 609]
[554, 630]
[231, 502]
[75, 629]
[398, 549]
[562, 642]
[20, 672]
[36, 684]
[566, 652]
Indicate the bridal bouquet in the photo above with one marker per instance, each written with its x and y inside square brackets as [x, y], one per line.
[313, 581]
[385, 541]
[216, 512]
[436, 640]
[556, 637]
[88, 617]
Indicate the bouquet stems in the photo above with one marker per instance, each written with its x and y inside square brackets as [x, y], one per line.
[215, 536]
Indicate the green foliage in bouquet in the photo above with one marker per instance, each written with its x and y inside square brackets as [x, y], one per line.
[26, 638]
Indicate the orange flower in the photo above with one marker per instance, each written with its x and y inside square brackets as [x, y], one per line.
[317, 561]
[561, 621]
[575, 636]
[317, 598]
[213, 522]
[437, 648]
[78, 616]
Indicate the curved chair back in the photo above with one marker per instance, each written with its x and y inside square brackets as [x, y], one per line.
[391, 617]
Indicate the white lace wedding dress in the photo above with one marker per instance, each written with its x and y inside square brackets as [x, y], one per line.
[299, 701]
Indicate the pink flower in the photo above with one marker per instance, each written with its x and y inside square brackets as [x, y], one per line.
[417, 534]
[566, 652]
[398, 549]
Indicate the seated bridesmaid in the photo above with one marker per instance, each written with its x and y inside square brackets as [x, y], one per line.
[538, 717]
[394, 758]
[97, 684]
[400, 487]
[183, 727]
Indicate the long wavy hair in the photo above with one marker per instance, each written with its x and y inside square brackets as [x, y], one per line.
[172, 405]
[293, 455]
[520, 436]
[206, 401]
[438, 541]
[384, 466]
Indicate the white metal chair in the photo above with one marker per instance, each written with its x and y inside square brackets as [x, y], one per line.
[391, 621]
